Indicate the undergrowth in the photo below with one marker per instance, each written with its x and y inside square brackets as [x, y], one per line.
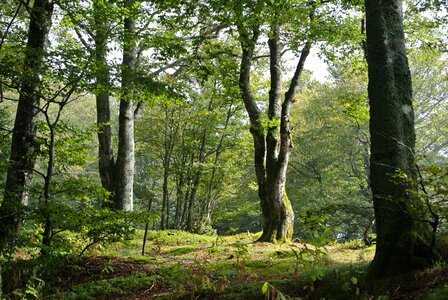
[180, 265]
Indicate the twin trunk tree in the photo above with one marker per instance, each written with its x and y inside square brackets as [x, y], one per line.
[22, 158]
[403, 242]
[116, 176]
[106, 161]
[271, 133]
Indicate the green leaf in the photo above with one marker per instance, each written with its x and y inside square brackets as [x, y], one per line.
[320, 273]
[354, 280]
[264, 288]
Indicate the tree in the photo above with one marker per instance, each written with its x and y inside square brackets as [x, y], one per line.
[271, 132]
[116, 175]
[124, 166]
[21, 161]
[93, 23]
[106, 161]
[5, 138]
[50, 142]
[403, 235]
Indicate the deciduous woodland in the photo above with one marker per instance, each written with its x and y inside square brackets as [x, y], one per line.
[170, 149]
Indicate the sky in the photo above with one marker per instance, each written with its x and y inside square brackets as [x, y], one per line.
[317, 66]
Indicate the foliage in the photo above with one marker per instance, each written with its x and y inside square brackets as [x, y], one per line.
[177, 273]
[353, 244]
[328, 175]
[193, 144]
[5, 121]
[204, 228]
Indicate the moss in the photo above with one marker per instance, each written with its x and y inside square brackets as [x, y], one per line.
[289, 217]
[440, 293]
[269, 236]
[285, 222]
[109, 287]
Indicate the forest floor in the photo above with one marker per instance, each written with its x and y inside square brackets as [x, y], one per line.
[179, 265]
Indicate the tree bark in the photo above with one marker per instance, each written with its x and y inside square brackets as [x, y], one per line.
[180, 185]
[272, 142]
[124, 168]
[146, 226]
[21, 162]
[46, 236]
[106, 161]
[170, 136]
[196, 182]
[402, 240]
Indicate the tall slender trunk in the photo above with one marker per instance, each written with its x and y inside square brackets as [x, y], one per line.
[124, 168]
[196, 182]
[180, 185]
[21, 162]
[207, 210]
[191, 200]
[165, 194]
[403, 241]
[183, 219]
[48, 177]
[46, 236]
[189, 183]
[170, 136]
[146, 226]
[106, 160]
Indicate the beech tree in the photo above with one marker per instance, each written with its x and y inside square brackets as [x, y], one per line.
[403, 242]
[270, 131]
[116, 174]
[106, 161]
[124, 167]
[21, 161]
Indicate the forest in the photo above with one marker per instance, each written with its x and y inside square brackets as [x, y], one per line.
[210, 149]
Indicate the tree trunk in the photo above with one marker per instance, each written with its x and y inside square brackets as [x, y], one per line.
[403, 243]
[170, 137]
[196, 182]
[165, 194]
[124, 169]
[183, 219]
[46, 236]
[191, 200]
[272, 142]
[146, 226]
[209, 200]
[21, 163]
[180, 185]
[189, 183]
[106, 160]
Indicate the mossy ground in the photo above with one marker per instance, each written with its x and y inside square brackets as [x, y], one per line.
[180, 265]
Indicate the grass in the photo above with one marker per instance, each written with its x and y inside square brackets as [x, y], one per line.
[104, 288]
[180, 265]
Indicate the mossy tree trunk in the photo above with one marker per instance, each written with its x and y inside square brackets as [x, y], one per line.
[402, 239]
[271, 132]
[21, 162]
